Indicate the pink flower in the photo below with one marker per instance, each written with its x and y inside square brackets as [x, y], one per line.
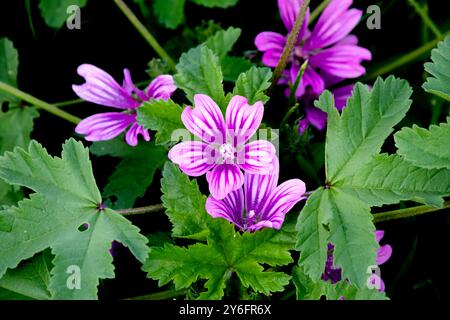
[225, 149]
[261, 203]
[332, 53]
[102, 89]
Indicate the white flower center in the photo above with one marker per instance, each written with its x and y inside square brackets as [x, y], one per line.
[251, 214]
[226, 151]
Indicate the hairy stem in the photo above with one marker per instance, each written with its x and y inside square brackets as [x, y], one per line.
[151, 40]
[318, 10]
[407, 212]
[425, 18]
[292, 39]
[38, 103]
[402, 60]
[141, 210]
[163, 295]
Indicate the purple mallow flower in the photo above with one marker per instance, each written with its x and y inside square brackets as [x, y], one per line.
[334, 274]
[260, 203]
[102, 89]
[333, 55]
[225, 149]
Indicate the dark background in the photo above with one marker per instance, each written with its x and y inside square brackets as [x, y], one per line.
[48, 61]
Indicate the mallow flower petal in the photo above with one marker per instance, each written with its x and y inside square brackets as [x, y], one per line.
[104, 126]
[256, 157]
[230, 208]
[132, 134]
[281, 200]
[335, 23]
[288, 12]
[270, 40]
[257, 187]
[101, 88]
[161, 87]
[342, 61]
[223, 179]
[242, 119]
[195, 158]
[383, 254]
[205, 120]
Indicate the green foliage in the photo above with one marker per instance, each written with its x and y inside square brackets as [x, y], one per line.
[223, 40]
[357, 178]
[439, 84]
[425, 148]
[170, 13]
[199, 71]
[29, 281]
[66, 201]
[225, 251]
[307, 289]
[216, 3]
[232, 67]
[162, 116]
[16, 123]
[252, 84]
[184, 203]
[134, 174]
[54, 11]
[359, 132]
[9, 62]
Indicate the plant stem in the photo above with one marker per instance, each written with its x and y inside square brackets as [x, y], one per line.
[292, 39]
[141, 210]
[425, 17]
[318, 10]
[297, 82]
[402, 60]
[151, 40]
[38, 103]
[163, 295]
[407, 212]
[288, 115]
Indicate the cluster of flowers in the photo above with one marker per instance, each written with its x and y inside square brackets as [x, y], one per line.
[242, 175]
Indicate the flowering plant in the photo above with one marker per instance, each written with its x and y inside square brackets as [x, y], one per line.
[247, 163]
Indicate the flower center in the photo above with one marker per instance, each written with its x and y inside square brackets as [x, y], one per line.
[251, 214]
[226, 151]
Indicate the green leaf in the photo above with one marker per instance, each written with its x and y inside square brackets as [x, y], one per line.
[29, 281]
[199, 71]
[313, 226]
[162, 116]
[358, 178]
[439, 84]
[222, 41]
[54, 12]
[425, 148]
[134, 174]
[9, 63]
[216, 3]
[15, 128]
[225, 252]
[390, 179]
[307, 289]
[232, 67]
[252, 84]
[184, 203]
[55, 217]
[359, 132]
[170, 13]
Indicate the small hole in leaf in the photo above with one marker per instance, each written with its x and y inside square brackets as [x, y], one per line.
[83, 227]
[5, 106]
